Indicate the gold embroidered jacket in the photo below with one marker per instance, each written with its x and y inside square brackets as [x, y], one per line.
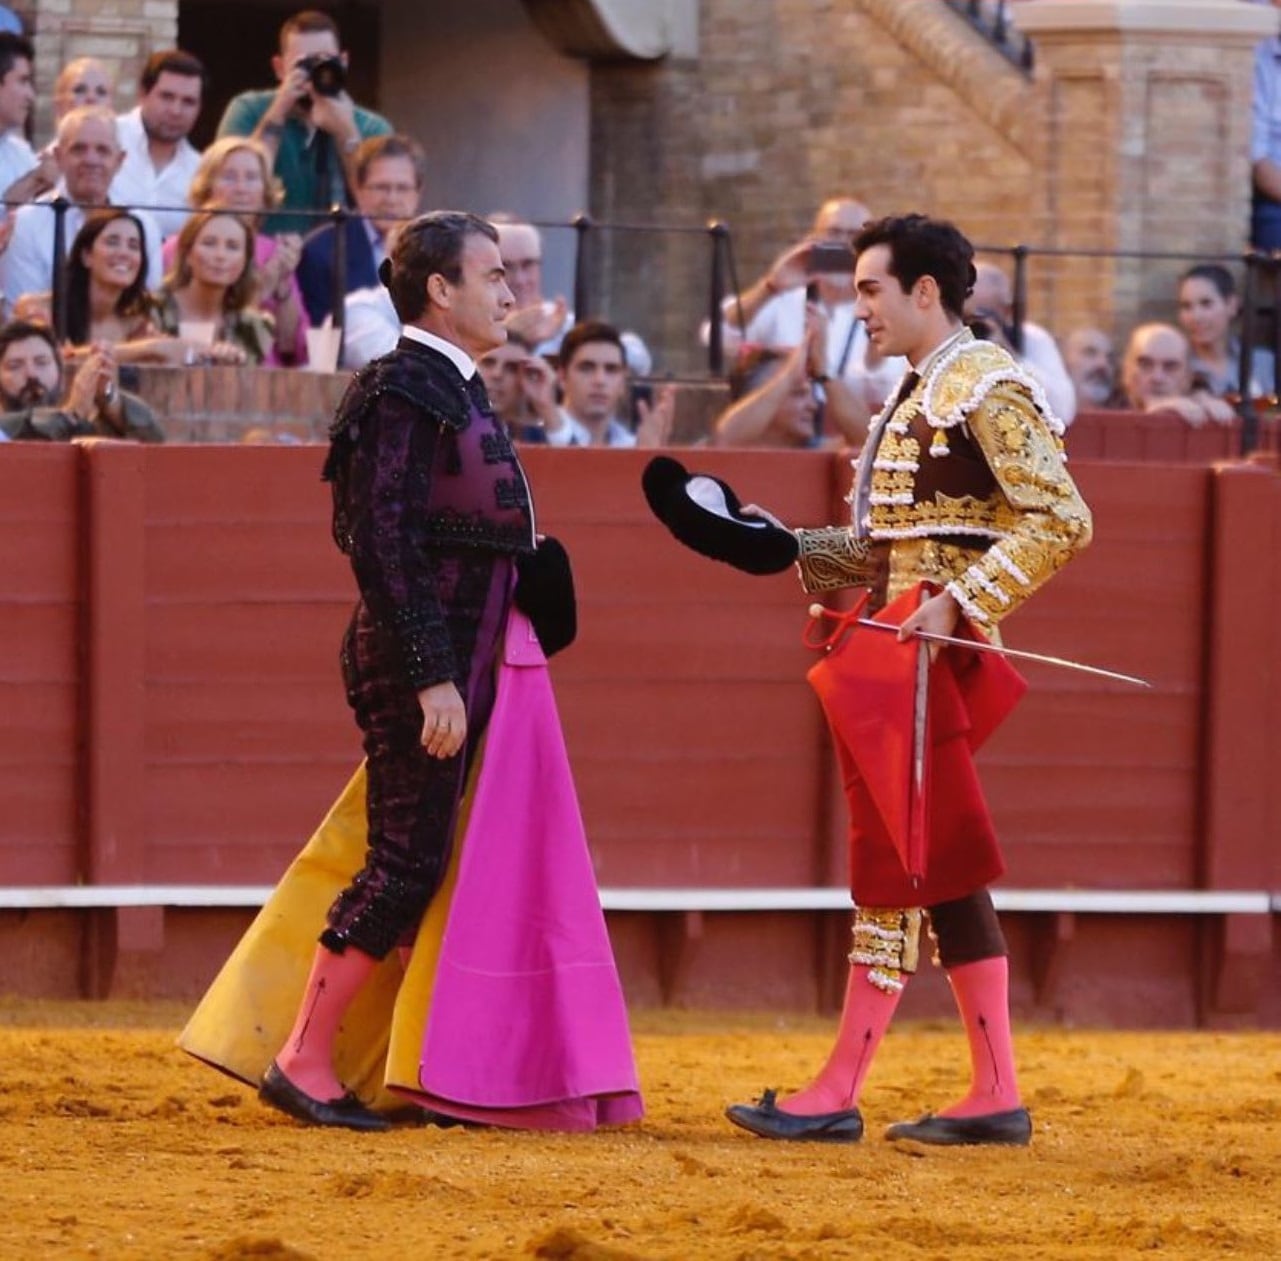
[968, 487]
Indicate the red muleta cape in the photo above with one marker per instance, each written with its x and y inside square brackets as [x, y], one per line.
[866, 682]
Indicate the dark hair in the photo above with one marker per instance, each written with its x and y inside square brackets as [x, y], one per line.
[240, 293]
[427, 246]
[132, 301]
[921, 246]
[20, 330]
[1215, 274]
[308, 22]
[376, 148]
[172, 61]
[13, 46]
[583, 334]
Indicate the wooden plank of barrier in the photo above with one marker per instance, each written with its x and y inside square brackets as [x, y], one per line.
[112, 535]
[1240, 805]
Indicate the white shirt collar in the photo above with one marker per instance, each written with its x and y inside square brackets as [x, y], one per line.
[952, 339]
[456, 355]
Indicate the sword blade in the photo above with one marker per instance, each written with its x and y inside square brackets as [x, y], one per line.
[1018, 654]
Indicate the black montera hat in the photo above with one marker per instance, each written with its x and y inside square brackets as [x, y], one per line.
[705, 514]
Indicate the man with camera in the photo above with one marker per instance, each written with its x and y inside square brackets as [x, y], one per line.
[309, 123]
[807, 292]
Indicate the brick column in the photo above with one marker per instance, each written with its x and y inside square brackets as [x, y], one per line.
[1146, 109]
[120, 33]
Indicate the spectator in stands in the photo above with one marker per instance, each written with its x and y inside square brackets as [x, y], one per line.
[309, 124]
[23, 176]
[84, 81]
[1265, 146]
[389, 182]
[371, 326]
[107, 299]
[1208, 306]
[89, 156]
[593, 379]
[538, 320]
[813, 280]
[212, 281]
[989, 310]
[774, 402]
[36, 406]
[1091, 363]
[235, 174]
[1156, 377]
[159, 161]
[521, 388]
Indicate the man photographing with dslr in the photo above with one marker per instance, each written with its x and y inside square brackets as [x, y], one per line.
[309, 123]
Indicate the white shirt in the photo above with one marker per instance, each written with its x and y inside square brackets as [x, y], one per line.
[138, 183]
[371, 326]
[456, 355]
[780, 323]
[1042, 360]
[27, 265]
[573, 433]
[16, 159]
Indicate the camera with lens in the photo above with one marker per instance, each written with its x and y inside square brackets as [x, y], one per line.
[326, 73]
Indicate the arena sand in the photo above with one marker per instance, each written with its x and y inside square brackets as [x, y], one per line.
[115, 1144]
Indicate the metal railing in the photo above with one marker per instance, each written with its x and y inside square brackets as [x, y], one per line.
[991, 19]
[1260, 290]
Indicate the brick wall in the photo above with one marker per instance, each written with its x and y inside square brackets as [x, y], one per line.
[1121, 142]
[121, 33]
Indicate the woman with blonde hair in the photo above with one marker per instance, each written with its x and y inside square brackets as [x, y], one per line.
[235, 172]
[212, 281]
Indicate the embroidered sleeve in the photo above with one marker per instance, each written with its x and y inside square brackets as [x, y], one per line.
[833, 557]
[1048, 520]
[387, 497]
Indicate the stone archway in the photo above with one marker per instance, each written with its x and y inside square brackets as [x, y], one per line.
[610, 30]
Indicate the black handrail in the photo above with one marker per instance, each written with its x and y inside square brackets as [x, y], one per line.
[991, 20]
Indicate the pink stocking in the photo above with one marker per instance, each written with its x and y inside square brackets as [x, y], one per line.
[307, 1056]
[864, 1019]
[982, 992]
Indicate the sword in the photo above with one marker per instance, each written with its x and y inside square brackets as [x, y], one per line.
[1017, 653]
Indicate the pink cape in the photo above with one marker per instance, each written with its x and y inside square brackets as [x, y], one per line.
[527, 1025]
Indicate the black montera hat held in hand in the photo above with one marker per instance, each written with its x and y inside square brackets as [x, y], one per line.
[705, 514]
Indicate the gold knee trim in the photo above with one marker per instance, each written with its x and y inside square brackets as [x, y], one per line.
[887, 942]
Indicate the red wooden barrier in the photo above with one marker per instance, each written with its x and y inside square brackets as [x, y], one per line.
[206, 732]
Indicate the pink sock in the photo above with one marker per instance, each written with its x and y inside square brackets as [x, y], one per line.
[307, 1055]
[982, 992]
[864, 1019]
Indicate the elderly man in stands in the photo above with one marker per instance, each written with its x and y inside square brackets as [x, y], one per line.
[539, 320]
[1156, 377]
[811, 284]
[159, 160]
[89, 155]
[1091, 363]
[989, 310]
[35, 406]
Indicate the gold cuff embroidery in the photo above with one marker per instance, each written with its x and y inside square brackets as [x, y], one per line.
[832, 557]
